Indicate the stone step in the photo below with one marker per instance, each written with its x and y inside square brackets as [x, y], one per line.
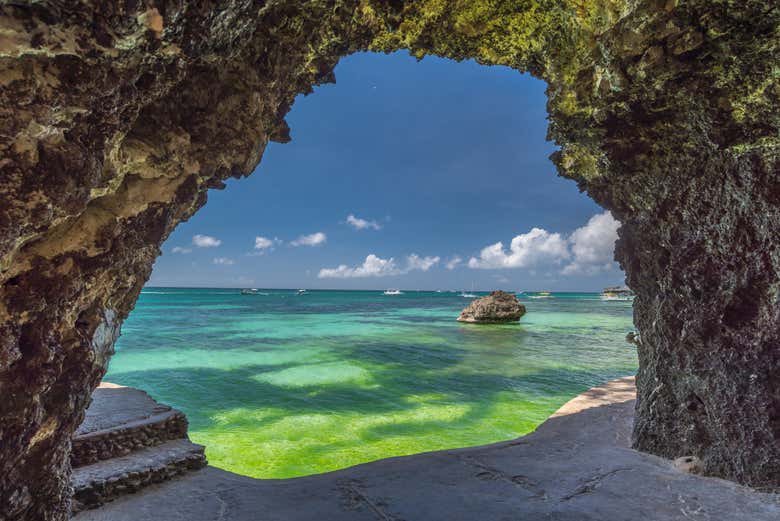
[121, 420]
[104, 481]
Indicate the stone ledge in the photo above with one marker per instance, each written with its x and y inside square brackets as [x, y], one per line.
[120, 441]
[104, 481]
[115, 405]
[121, 420]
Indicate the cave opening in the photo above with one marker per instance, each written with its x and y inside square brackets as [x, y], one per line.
[442, 159]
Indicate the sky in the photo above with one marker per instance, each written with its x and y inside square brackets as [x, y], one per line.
[404, 174]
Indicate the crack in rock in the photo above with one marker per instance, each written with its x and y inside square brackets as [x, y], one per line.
[489, 473]
[592, 484]
[353, 497]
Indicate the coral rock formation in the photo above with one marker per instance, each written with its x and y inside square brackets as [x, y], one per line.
[117, 117]
[498, 307]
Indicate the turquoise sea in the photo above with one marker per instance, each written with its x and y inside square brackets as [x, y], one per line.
[279, 385]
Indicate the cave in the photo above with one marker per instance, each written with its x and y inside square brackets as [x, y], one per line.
[119, 116]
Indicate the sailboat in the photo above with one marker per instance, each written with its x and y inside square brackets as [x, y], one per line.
[469, 295]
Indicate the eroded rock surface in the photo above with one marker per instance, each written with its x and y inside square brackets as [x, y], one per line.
[498, 307]
[117, 117]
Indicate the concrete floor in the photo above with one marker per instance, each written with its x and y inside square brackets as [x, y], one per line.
[577, 466]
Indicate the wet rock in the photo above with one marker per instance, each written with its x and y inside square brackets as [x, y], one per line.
[498, 307]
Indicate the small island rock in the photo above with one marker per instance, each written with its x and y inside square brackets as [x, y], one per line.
[496, 308]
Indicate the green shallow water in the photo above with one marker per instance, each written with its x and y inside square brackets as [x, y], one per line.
[281, 385]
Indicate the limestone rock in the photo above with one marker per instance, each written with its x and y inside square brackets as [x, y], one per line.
[498, 307]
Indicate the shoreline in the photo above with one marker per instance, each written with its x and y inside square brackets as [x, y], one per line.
[575, 465]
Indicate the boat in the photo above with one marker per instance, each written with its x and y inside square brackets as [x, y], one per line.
[542, 294]
[392, 292]
[252, 291]
[617, 293]
[302, 291]
[469, 294]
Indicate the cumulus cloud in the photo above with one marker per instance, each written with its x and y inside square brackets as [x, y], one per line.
[593, 246]
[362, 224]
[205, 241]
[454, 262]
[588, 250]
[375, 266]
[526, 250]
[415, 262]
[179, 249]
[314, 239]
[261, 243]
[224, 261]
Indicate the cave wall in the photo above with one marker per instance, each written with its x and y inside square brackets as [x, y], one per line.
[117, 117]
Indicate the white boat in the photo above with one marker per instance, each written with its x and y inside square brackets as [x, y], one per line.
[469, 295]
[392, 292]
[302, 291]
[617, 293]
[542, 294]
[252, 291]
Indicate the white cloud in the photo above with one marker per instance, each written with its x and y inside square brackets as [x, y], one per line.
[593, 246]
[588, 249]
[224, 261]
[205, 241]
[415, 262]
[526, 250]
[179, 249]
[373, 266]
[362, 224]
[261, 243]
[314, 239]
[454, 262]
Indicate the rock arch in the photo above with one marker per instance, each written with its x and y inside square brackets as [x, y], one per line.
[118, 116]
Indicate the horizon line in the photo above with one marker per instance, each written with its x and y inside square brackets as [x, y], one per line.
[367, 289]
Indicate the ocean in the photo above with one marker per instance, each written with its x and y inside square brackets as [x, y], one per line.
[279, 385]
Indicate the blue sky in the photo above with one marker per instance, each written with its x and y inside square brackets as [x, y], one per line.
[435, 161]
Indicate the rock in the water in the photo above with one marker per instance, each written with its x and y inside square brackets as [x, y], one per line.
[498, 307]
